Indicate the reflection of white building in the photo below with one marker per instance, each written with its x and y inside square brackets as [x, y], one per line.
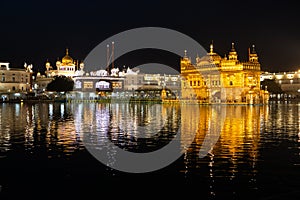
[289, 82]
[14, 83]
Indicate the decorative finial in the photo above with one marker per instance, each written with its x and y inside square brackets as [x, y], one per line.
[67, 51]
[212, 47]
[253, 49]
[185, 53]
[232, 46]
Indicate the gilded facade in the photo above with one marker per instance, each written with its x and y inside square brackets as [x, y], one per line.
[66, 67]
[216, 79]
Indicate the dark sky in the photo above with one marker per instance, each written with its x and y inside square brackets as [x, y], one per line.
[34, 31]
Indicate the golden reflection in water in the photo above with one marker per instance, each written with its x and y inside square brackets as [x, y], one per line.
[238, 136]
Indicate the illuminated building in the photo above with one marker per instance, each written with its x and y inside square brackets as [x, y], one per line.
[289, 82]
[107, 82]
[91, 87]
[14, 82]
[146, 85]
[66, 67]
[213, 79]
[41, 82]
[122, 84]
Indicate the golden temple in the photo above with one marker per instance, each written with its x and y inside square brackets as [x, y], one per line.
[213, 79]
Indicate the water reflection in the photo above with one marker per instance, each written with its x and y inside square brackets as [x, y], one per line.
[37, 129]
[113, 130]
[235, 154]
[127, 123]
[236, 128]
[230, 147]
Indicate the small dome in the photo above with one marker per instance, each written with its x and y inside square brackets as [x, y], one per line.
[81, 65]
[67, 59]
[209, 57]
[47, 63]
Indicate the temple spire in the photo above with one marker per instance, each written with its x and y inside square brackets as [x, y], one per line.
[232, 54]
[232, 47]
[212, 47]
[252, 54]
[253, 49]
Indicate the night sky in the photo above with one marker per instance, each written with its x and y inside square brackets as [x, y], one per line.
[34, 31]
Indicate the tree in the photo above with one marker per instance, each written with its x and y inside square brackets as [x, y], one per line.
[61, 84]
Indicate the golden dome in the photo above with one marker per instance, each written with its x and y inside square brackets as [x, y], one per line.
[47, 63]
[210, 57]
[67, 59]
